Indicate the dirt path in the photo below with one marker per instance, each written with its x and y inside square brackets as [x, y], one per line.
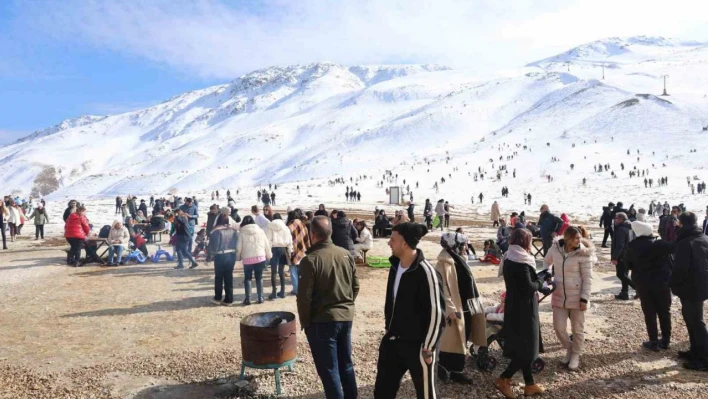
[149, 332]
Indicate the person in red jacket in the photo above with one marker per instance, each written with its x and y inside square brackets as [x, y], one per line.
[75, 231]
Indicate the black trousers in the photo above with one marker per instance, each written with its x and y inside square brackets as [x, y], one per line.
[447, 220]
[514, 366]
[622, 275]
[75, 251]
[39, 231]
[547, 242]
[496, 223]
[2, 232]
[224, 276]
[692, 312]
[656, 301]
[608, 233]
[395, 358]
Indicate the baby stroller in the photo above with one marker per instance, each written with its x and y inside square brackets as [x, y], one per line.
[495, 327]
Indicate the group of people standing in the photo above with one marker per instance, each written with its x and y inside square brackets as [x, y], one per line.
[14, 212]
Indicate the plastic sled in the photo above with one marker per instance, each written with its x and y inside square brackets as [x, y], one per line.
[136, 256]
[156, 258]
[378, 262]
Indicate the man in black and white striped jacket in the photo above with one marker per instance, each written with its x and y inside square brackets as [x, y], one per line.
[415, 312]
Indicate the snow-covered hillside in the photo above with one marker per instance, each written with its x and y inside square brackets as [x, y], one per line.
[299, 123]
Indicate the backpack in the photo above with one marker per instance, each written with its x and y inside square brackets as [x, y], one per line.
[105, 230]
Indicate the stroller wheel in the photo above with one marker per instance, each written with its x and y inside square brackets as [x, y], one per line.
[538, 365]
[490, 340]
[486, 363]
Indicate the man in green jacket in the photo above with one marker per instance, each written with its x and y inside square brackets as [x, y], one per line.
[325, 303]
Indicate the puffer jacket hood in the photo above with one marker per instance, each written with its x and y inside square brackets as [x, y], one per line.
[572, 273]
[279, 235]
[253, 243]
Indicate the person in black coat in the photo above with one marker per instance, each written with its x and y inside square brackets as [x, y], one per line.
[428, 214]
[381, 224]
[411, 209]
[651, 262]
[143, 207]
[321, 211]
[689, 282]
[606, 221]
[343, 232]
[623, 235]
[522, 331]
[549, 224]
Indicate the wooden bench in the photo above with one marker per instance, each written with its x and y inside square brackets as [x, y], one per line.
[362, 262]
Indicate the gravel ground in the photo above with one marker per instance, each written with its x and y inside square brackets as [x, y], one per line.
[149, 332]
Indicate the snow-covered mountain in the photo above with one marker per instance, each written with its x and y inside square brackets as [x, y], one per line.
[296, 123]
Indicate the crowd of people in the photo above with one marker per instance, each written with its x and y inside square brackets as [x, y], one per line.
[434, 316]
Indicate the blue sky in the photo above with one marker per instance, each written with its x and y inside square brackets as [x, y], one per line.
[63, 59]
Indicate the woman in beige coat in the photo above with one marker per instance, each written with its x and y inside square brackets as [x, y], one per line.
[572, 258]
[464, 312]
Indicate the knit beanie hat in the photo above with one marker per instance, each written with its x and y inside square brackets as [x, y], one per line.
[411, 232]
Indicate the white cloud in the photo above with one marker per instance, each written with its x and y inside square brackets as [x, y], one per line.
[210, 39]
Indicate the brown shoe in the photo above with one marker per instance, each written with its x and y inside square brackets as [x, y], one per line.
[531, 390]
[504, 386]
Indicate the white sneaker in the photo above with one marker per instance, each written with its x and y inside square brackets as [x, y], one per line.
[566, 359]
[574, 362]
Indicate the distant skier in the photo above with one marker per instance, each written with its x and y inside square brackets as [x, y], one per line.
[481, 197]
[272, 198]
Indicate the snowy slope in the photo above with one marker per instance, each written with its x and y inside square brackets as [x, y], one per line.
[299, 123]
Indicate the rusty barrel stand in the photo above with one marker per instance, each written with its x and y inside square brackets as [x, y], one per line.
[268, 342]
[289, 364]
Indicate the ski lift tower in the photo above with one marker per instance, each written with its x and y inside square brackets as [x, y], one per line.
[665, 93]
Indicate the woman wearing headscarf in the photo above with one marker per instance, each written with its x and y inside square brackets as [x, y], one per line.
[118, 238]
[464, 311]
[572, 258]
[522, 328]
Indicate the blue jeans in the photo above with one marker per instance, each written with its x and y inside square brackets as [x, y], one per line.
[182, 249]
[331, 346]
[277, 268]
[294, 277]
[115, 249]
[248, 272]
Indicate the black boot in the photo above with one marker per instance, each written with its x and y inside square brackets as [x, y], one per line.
[651, 345]
[443, 374]
[461, 378]
[622, 296]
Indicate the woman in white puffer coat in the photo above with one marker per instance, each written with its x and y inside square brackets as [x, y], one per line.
[281, 242]
[254, 251]
[364, 242]
[572, 258]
